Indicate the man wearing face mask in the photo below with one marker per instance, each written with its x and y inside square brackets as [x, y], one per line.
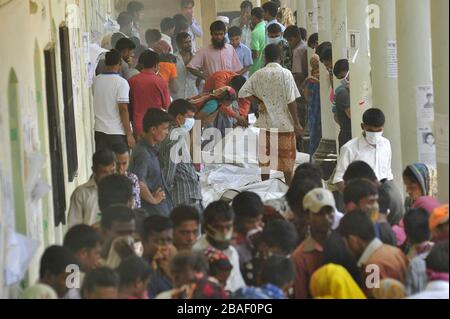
[218, 223]
[371, 147]
[341, 105]
[276, 37]
[175, 158]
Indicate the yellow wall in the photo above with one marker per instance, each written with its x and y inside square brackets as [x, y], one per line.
[29, 27]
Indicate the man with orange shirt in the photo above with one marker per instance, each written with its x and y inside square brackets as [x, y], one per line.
[229, 78]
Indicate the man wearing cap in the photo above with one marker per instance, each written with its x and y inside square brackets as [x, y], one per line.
[320, 207]
[439, 223]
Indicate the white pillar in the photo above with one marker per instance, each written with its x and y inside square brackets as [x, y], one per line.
[439, 33]
[414, 67]
[384, 76]
[328, 126]
[339, 32]
[301, 13]
[359, 58]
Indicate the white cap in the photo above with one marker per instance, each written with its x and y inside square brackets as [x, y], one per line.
[318, 198]
[224, 19]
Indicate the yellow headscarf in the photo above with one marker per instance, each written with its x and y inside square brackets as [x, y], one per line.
[334, 282]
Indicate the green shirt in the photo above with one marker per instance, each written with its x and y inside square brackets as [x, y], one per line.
[258, 44]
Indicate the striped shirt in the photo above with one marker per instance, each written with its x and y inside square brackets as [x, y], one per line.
[179, 173]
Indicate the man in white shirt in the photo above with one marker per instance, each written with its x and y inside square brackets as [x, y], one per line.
[84, 208]
[218, 223]
[244, 22]
[167, 31]
[273, 88]
[111, 99]
[371, 147]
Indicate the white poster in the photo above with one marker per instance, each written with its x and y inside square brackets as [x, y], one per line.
[354, 42]
[441, 134]
[425, 116]
[391, 60]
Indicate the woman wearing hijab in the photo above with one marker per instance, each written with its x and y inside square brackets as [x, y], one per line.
[334, 282]
[420, 180]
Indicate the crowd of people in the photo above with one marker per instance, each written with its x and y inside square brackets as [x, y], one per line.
[138, 228]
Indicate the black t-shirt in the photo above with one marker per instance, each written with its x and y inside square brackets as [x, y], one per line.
[342, 99]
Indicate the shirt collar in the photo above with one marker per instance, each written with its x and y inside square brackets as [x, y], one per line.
[151, 148]
[362, 143]
[370, 249]
[310, 245]
[91, 182]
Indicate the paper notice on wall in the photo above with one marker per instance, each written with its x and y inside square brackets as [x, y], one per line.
[441, 134]
[354, 41]
[392, 60]
[425, 117]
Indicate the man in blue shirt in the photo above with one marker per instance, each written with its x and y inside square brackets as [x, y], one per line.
[244, 53]
[145, 163]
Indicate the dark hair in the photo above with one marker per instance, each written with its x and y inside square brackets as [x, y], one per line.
[181, 23]
[218, 210]
[155, 224]
[124, 19]
[374, 117]
[335, 251]
[248, 205]
[187, 3]
[114, 213]
[103, 158]
[154, 118]
[246, 4]
[132, 269]
[271, 8]
[313, 39]
[322, 47]
[278, 270]
[125, 43]
[274, 28]
[282, 234]
[357, 223]
[149, 59]
[55, 260]
[167, 24]
[114, 189]
[112, 58]
[120, 149]
[437, 260]
[197, 261]
[326, 55]
[217, 26]
[103, 277]
[292, 32]
[303, 33]
[384, 200]
[272, 52]
[357, 189]
[340, 66]
[81, 237]
[416, 225]
[358, 170]
[298, 190]
[258, 13]
[152, 35]
[134, 7]
[234, 32]
[116, 37]
[277, 2]
[181, 37]
[238, 82]
[180, 107]
[309, 170]
[184, 213]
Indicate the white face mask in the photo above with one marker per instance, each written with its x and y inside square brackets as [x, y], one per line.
[275, 40]
[373, 138]
[189, 124]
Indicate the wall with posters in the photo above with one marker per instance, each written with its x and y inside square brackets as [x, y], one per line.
[33, 30]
